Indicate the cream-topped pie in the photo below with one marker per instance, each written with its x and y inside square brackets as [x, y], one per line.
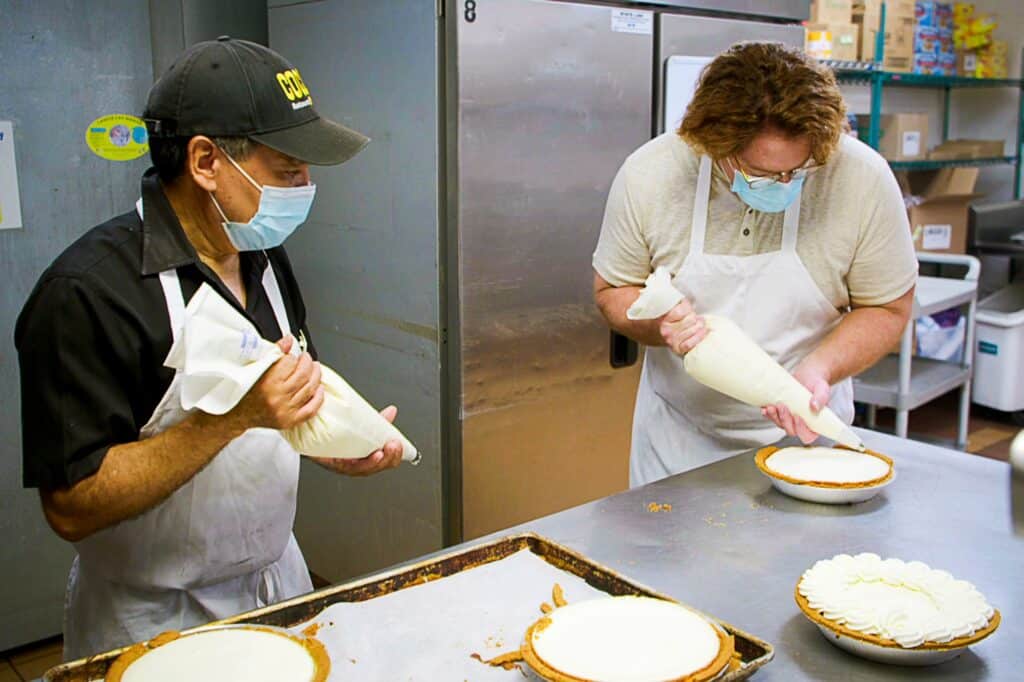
[824, 474]
[894, 604]
[627, 639]
[234, 652]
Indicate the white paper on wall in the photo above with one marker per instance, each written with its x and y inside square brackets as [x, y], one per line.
[10, 203]
[681, 75]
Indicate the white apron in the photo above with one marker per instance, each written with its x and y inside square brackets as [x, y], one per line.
[680, 424]
[219, 545]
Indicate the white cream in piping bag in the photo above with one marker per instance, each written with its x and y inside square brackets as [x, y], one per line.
[729, 361]
[907, 602]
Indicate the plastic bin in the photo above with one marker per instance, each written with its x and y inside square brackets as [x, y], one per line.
[999, 353]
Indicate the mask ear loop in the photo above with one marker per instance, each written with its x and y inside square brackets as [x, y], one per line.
[242, 171]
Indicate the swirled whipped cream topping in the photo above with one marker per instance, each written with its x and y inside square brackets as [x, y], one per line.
[909, 603]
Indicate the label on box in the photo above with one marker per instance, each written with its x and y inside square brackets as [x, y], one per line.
[910, 145]
[819, 44]
[632, 21]
[988, 348]
[937, 237]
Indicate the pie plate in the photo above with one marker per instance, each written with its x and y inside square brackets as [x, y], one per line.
[865, 646]
[823, 491]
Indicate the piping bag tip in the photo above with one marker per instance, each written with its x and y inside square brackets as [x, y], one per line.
[850, 439]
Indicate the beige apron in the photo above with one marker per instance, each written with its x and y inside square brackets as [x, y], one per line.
[219, 545]
[679, 424]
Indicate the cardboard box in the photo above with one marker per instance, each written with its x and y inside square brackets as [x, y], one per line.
[968, 149]
[903, 137]
[818, 41]
[831, 11]
[868, 32]
[966, 63]
[893, 8]
[899, 41]
[843, 40]
[939, 221]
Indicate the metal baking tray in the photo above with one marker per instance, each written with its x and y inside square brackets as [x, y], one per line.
[754, 652]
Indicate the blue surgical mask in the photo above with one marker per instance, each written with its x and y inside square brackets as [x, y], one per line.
[281, 211]
[771, 198]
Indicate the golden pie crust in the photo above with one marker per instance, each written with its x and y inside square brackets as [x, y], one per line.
[726, 649]
[957, 643]
[761, 459]
[316, 650]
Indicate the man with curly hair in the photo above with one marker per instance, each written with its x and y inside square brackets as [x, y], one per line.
[765, 213]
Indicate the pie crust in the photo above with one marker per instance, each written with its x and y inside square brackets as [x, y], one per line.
[316, 650]
[761, 459]
[726, 650]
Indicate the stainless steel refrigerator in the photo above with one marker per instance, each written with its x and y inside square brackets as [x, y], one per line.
[447, 268]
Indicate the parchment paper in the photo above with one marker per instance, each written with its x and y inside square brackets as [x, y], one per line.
[430, 631]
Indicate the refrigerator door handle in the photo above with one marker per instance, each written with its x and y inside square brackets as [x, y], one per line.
[622, 350]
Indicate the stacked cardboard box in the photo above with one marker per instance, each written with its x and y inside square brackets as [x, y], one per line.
[933, 38]
[831, 33]
[899, 32]
[938, 208]
[967, 149]
[902, 137]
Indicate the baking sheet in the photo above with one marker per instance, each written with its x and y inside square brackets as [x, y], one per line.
[578, 575]
[415, 633]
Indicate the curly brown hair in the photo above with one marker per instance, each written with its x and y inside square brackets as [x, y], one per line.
[755, 85]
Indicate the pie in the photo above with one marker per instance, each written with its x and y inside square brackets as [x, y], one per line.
[894, 604]
[627, 639]
[822, 467]
[249, 652]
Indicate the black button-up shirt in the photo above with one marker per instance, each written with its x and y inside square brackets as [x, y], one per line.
[94, 334]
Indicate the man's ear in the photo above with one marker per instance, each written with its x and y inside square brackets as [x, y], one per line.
[203, 163]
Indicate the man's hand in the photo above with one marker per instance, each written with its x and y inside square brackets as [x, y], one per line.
[682, 329]
[288, 394]
[388, 457]
[816, 381]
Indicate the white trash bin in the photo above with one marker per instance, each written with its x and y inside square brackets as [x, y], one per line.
[999, 353]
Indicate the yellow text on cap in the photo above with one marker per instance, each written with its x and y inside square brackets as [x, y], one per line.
[292, 85]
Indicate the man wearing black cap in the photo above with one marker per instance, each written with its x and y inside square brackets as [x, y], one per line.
[181, 517]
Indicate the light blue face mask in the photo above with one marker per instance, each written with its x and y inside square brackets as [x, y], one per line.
[771, 198]
[281, 211]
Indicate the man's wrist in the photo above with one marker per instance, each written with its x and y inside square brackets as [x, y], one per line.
[228, 426]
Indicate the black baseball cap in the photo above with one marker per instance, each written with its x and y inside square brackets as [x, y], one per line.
[228, 87]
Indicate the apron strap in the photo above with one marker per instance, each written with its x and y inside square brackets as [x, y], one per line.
[276, 300]
[698, 226]
[791, 225]
[175, 301]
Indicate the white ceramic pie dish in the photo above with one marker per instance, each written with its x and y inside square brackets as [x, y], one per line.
[870, 577]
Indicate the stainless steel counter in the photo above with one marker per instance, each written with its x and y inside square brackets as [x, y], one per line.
[734, 547]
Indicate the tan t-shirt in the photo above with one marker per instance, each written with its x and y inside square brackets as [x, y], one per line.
[854, 237]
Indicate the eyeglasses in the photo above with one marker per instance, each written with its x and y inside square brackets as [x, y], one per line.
[756, 181]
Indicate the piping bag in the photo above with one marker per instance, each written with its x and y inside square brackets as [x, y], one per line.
[730, 362]
[220, 356]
